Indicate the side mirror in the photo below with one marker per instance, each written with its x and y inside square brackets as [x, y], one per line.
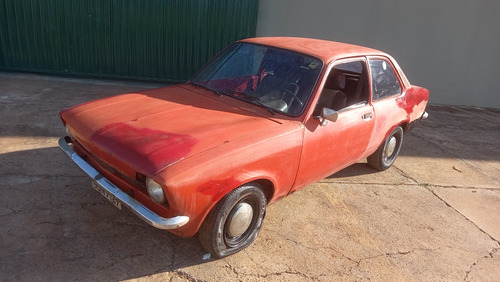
[328, 115]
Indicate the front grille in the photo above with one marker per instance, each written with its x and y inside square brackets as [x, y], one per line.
[85, 154]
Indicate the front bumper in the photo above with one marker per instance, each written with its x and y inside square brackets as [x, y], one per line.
[140, 210]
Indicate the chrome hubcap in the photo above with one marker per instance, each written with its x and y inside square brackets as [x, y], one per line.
[391, 146]
[240, 220]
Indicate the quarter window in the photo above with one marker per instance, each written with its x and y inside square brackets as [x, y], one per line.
[384, 81]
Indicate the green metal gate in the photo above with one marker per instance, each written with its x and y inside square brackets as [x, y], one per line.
[165, 40]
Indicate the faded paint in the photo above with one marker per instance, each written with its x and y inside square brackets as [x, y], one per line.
[414, 100]
[146, 150]
[200, 145]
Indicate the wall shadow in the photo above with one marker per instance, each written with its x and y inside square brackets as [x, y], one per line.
[456, 132]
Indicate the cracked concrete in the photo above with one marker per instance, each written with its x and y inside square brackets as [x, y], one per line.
[433, 216]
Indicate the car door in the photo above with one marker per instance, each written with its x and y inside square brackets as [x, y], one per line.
[330, 146]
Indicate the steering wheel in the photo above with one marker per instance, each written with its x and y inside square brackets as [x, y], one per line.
[294, 96]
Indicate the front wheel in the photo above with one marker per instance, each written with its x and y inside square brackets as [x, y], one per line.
[386, 154]
[234, 222]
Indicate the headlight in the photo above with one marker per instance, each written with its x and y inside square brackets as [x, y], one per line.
[155, 191]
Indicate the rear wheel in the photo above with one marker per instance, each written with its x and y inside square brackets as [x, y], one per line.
[386, 154]
[234, 222]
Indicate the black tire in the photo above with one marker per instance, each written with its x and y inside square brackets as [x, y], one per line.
[227, 228]
[386, 154]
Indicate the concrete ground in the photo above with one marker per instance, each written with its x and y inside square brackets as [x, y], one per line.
[433, 216]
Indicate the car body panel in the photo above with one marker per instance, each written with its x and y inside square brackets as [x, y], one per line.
[327, 51]
[156, 128]
[334, 146]
[196, 187]
[199, 145]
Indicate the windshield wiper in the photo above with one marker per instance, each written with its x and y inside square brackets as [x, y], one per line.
[253, 99]
[206, 87]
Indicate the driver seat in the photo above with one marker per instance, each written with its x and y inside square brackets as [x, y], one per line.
[332, 96]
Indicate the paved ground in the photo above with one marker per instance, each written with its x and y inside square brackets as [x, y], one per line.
[433, 216]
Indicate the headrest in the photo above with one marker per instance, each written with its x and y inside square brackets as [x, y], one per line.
[336, 81]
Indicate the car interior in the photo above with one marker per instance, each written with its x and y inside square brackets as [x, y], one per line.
[346, 87]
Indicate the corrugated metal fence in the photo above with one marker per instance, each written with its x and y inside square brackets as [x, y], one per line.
[164, 40]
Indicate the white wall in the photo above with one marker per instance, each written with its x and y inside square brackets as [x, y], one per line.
[451, 47]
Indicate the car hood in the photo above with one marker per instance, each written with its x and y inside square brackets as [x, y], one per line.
[148, 131]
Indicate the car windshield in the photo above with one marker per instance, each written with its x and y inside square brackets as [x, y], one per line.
[277, 79]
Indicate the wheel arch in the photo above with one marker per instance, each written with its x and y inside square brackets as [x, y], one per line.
[404, 125]
[267, 187]
[221, 239]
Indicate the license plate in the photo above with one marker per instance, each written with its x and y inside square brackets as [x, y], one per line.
[107, 195]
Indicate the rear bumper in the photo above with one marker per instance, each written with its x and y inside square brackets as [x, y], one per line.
[140, 210]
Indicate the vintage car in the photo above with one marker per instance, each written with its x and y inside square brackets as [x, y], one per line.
[264, 118]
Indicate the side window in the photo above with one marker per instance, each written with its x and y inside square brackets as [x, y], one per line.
[384, 81]
[346, 86]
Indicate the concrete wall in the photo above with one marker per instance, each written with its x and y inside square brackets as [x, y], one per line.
[451, 47]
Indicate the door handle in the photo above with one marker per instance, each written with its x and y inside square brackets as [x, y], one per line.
[367, 116]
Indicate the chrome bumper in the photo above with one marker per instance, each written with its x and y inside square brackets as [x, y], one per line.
[140, 210]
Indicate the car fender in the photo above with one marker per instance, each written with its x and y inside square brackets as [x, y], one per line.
[196, 184]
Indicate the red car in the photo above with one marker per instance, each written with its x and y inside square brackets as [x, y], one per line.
[264, 118]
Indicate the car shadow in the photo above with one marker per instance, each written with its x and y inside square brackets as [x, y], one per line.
[53, 219]
[356, 169]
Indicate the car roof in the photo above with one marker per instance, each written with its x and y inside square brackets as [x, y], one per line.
[323, 49]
